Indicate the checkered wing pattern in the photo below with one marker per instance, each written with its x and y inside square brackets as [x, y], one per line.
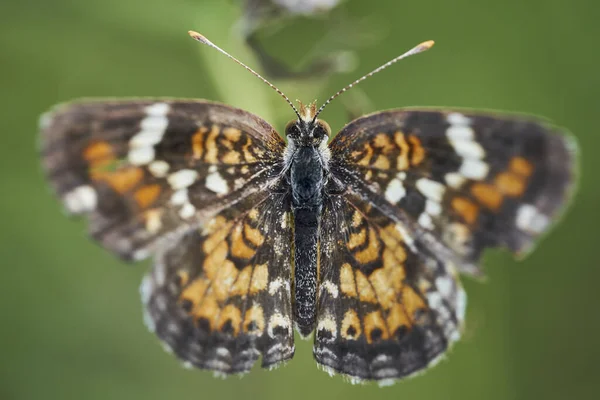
[220, 297]
[412, 198]
[386, 307]
[145, 170]
[458, 182]
[415, 197]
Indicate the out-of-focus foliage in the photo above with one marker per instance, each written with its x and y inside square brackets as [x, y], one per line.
[267, 18]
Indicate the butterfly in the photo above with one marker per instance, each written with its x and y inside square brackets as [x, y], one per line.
[357, 238]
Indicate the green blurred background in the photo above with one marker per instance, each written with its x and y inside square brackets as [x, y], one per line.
[71, 322]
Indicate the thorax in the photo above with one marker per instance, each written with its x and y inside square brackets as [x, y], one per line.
[307, 173]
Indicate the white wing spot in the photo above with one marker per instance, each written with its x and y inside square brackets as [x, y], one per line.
[444, 285]
[425, 221]
[435, 301]
[454, 180]
[182, 179]
[159, 168]
[179, 197]
[141, 155]
[331, 288]
[456, 118]
[381, 359]
[277, 321]
[468, 149]
[275, 286]
[529, 219]
[239, 183]
[460, 132]
[431, 189]
[81, 199]
[216, 183]
[462, 138]
[327, 323]
[157, 109]
[433, 208]
[474, 169]
[153, 221]
[395, 191]
[222, 352]
[187, 211]
[278, 284]
[152, 130]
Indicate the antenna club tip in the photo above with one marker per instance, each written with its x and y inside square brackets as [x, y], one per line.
[426, 45]
[199, 37]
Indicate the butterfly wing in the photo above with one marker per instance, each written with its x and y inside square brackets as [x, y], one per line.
[189, 181]
[144, 170]
[220, 297]
[385, 309]
[415, 196]
[459, 181]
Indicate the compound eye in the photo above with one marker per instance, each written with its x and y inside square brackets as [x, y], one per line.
[291, 129]
[325, 126]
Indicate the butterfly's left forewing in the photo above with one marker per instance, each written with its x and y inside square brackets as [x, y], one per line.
[145, 169]
[459, 181]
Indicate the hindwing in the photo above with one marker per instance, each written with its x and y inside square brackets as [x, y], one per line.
[220, 297]
[386, 307]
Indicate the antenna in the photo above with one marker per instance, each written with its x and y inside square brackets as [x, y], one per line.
[415, 50]
[203, 40]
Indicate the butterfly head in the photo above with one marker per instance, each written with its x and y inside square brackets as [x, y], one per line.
[307, 130]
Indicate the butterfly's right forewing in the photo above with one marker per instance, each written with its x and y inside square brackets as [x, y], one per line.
[144, 170]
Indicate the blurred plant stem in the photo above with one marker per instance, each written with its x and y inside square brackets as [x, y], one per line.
[233, 88]
[238, 88]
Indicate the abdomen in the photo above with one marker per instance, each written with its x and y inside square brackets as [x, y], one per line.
[306, 230]
[307, 202]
